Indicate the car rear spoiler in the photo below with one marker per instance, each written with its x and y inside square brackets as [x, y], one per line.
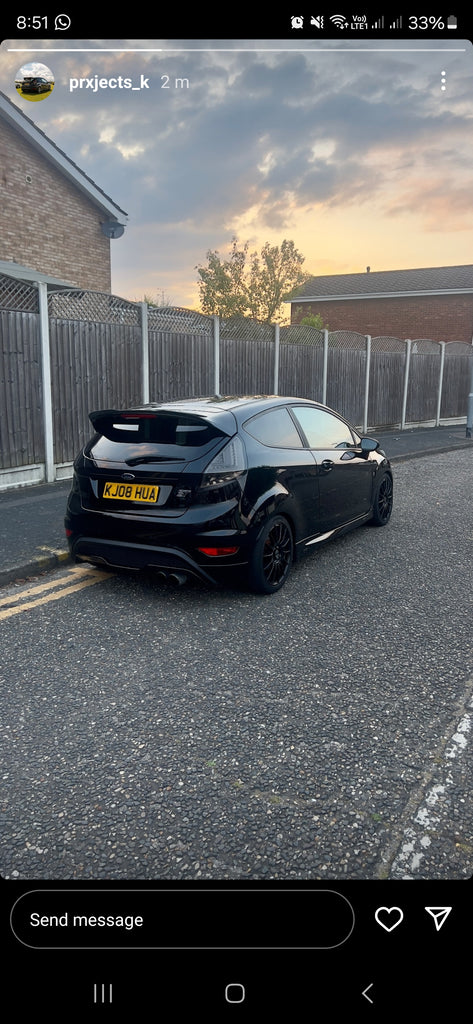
[112, 422]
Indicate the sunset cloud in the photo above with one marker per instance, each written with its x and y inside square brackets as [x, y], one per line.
[348, 153]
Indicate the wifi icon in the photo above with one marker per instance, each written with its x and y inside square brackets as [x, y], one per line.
[339, 20]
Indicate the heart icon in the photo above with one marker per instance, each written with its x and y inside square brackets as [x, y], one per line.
[392, 917]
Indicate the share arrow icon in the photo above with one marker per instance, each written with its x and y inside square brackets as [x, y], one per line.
[439, 915]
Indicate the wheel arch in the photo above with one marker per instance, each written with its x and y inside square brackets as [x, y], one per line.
[274, 504]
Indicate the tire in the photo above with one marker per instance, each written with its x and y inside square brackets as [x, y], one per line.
[272, 557]
[383, 501]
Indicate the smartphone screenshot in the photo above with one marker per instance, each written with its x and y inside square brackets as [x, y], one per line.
[236, 327]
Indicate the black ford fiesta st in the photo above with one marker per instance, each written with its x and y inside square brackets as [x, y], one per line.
[214, 486]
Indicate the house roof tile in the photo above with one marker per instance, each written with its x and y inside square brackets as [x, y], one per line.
[421, 281]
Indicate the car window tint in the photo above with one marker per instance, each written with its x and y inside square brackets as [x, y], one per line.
[321, 429]
[122, 437]
[157, 428]
[274, 428]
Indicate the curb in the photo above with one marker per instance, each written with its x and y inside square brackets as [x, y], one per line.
[44, 563]
[431, 451]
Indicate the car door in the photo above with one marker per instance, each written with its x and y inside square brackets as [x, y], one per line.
[344, 473]
[281, 463]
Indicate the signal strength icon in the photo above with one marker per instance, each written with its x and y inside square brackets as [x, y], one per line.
[339, 20]
[397, 23]
[379, 23]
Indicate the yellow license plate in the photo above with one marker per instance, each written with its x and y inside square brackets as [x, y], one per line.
[131, 492]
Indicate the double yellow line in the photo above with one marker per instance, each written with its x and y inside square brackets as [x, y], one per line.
[78, 578]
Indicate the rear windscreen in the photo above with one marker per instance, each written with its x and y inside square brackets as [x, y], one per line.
[176, 436]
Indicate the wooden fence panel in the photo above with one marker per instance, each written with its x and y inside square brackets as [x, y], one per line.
[180, 366]
[246, 367]
[346, 369]
[21, 417]
[386, 388]
[301, 371]
[456, 380]
[93, 366]
[422, 392]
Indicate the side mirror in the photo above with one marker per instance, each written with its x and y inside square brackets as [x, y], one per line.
[369, 444]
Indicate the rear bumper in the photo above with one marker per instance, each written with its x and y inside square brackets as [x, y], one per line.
[164, 544]
[125, 555]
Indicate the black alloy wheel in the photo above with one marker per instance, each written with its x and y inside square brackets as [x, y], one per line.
[272, 557]
[383, 501]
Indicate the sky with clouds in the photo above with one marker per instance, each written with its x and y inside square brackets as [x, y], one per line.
[356, 153]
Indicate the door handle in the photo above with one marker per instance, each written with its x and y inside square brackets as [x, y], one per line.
[327, 465]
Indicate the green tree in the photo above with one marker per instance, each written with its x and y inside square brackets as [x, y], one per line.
[313, 320]
[253, 285]
[222, 286]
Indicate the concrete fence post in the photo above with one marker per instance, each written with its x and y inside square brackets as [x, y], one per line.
[144, 353]
[50, 471]
[325, 369]
[406, 382]
[440, 386]
[469, 413]
[276, 360]
[367, 382]
[216, 339]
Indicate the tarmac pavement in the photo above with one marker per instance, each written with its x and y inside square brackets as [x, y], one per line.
[32, 537]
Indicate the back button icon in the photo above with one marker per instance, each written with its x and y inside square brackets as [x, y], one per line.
[365, 993]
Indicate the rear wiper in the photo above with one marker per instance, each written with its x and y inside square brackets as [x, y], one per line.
[152, 458]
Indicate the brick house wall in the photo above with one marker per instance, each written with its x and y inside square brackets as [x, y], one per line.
[436, 317]
[47, 223]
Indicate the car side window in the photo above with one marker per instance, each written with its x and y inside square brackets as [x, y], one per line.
[274, 428]
[322, 429]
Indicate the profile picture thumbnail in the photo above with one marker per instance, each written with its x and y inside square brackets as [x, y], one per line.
[34, 81]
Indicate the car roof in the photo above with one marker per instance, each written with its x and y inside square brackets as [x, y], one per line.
[241, 406]
[226, 412]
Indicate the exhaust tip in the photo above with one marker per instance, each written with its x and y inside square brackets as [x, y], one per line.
[178, 578]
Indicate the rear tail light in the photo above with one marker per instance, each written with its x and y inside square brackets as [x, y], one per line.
[228, 464]
[223, 478]
[218, 552]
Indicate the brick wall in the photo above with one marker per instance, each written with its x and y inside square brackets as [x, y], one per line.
[47, 223]
[438, 317]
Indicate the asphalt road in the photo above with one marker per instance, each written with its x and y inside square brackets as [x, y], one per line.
[322, 732]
